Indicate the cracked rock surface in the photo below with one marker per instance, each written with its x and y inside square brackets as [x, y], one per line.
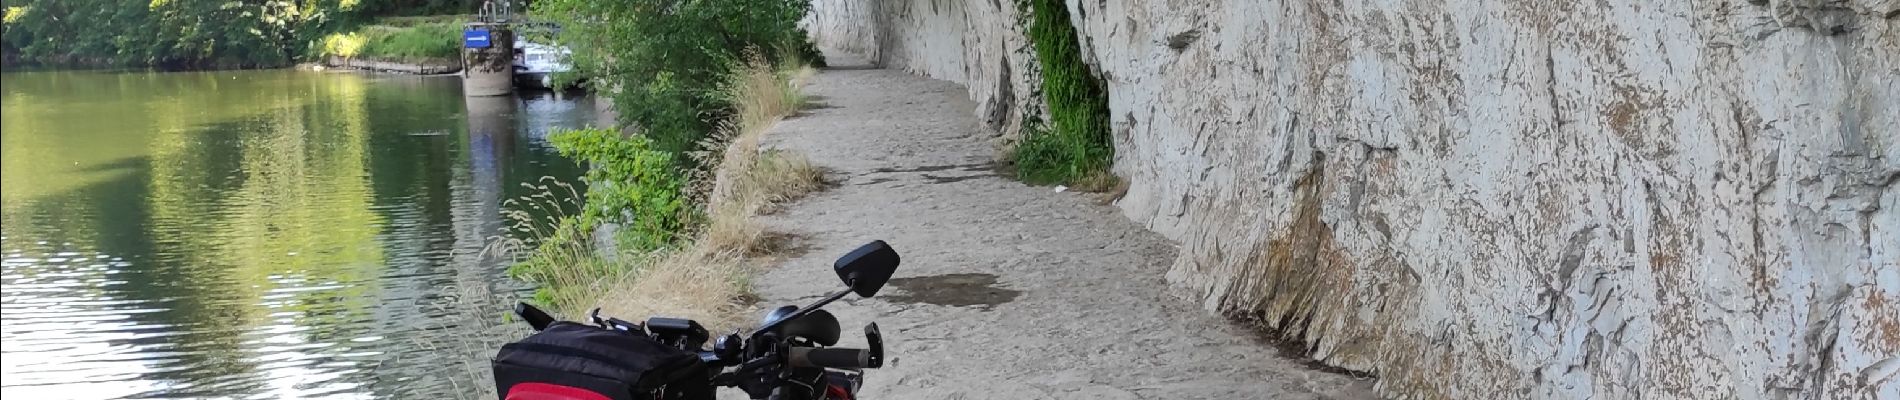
[1613, 199]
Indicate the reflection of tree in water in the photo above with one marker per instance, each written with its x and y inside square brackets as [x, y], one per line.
[376, 187]
[96, 219]
[283, 253]
[120, 208]
[65, 129]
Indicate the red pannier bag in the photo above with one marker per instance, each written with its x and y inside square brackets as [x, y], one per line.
[571, 361]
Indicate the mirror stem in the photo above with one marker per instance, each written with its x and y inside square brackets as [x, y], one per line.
[802, 311]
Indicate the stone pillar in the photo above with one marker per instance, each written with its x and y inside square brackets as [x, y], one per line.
[488, 58]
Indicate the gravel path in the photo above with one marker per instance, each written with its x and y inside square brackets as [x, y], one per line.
[1007, 291]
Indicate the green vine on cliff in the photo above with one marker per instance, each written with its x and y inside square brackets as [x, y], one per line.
[1074, 145]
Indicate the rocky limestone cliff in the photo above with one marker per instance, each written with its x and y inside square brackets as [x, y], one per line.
[1610, 199]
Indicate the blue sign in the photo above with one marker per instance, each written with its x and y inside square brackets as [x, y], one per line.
[475, 38]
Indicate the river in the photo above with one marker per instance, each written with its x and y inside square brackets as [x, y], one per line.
[260, 234]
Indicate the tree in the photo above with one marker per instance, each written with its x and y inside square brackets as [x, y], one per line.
[662, 61]
[170, 33]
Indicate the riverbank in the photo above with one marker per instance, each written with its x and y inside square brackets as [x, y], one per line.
[1007, 290]
[709, 278]
[665, 191]
[704, 272]
[411, 67]
[693, 244]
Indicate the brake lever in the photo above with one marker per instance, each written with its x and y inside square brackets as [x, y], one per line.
[757, 377]
[624, 326]
[594, 317]
[875, 339]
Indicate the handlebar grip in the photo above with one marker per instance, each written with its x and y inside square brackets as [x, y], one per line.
[808, 357]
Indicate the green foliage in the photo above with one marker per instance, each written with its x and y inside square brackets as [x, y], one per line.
[662, 61]
[664, 64]
[210, 34]
[630, 184]
[167, 33]
[437, 40]
[346, 45]
[415, 20]
[418, 7]
[419, 41]
[1075, 144]
[563, 255]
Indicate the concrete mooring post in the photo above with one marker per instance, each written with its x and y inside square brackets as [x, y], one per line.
[488, 59]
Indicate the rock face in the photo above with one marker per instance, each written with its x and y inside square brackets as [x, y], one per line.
[1473, 199]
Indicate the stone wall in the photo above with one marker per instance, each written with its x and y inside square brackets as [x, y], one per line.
[416, 67]
[1496, 199]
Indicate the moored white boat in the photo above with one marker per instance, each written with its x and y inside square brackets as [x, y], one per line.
[536, 64]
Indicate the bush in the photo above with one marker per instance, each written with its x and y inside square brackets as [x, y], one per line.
[629, 184]
[435, 40]
[346, 45]
[1074, 146]
[438, 40]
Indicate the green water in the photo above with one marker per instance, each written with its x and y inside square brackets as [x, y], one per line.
[258, 234]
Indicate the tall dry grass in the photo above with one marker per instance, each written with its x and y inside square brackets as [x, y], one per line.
[483, 319]
[475, 331]
[708, 278]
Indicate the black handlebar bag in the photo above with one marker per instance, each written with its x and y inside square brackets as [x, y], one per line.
[581, 362]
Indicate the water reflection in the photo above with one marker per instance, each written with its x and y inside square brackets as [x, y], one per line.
[264, 234]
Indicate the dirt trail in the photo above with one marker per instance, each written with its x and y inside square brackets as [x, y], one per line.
[1007, 291]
